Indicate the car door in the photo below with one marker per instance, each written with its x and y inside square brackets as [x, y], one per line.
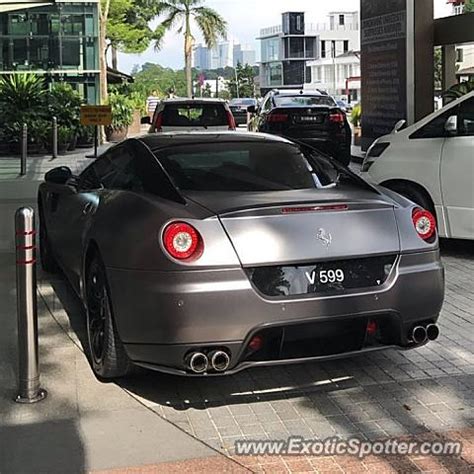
[75, 213]
[457, 174]
[264, 111]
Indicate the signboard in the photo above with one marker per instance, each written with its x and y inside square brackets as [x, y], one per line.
[96, 115]
[384, 67]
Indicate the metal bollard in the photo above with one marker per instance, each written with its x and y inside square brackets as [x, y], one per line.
[55, 137]
[29, 390]
[24, 149]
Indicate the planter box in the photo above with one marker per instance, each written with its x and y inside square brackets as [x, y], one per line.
[135, 127]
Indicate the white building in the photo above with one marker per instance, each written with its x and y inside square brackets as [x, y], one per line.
[337, 70]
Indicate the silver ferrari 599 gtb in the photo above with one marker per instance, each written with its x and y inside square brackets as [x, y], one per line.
[205, 253]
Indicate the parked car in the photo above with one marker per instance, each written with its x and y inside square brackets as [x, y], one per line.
[208, 253]
[238, 108]
[192, 115]
[312, 117]
[432, 164]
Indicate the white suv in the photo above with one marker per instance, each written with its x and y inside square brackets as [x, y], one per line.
[432, 163]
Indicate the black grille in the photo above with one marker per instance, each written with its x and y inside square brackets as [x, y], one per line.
[322, 277]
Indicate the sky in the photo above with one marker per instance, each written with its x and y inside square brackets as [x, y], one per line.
[245, 18]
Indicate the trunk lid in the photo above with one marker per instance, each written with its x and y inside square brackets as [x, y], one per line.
[304, 226]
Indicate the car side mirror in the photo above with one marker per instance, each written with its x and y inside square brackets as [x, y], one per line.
[251, 109]
[451, 126]
[59, 175]
[145, 120]
[399, 125]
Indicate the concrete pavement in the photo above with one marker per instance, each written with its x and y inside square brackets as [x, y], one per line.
[83, 424]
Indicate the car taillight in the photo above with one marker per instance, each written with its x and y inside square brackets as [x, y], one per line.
[159, 122]
[277, 118]
[337, 117]
[182, 241]
[230, 120]
[424, 222]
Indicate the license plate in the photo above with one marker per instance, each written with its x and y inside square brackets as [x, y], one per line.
[310, 119]
[324, 277]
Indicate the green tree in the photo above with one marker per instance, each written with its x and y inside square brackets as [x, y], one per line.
[157, 80]
[469, 6]
[242, 83]
[124, 26]
[181, 12]
[438, 68]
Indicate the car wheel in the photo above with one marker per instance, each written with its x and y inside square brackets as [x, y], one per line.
[413, 194]
[344, 158]
[107, 354]
[48, 262]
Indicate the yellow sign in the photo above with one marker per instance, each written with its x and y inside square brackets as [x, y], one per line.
[96, 115]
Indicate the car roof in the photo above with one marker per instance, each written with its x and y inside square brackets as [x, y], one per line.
[187, 100]
[293, 92]
[161, 140]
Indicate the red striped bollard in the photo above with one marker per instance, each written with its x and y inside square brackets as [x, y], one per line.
[29, 390]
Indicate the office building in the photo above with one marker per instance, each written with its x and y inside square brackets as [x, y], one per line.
[57, 39]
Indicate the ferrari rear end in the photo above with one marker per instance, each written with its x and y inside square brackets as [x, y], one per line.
[279, 276]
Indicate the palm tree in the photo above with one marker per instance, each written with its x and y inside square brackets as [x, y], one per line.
[180, 12]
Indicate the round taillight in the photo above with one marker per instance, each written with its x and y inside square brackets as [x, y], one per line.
[182, 240]
[425, 223]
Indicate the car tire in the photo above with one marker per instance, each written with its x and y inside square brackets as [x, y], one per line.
[344, 158]
[48, 262]
[107, 354]
[413, 194]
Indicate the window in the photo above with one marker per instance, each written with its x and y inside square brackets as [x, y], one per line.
[267, 105]
[435, 128]
[242, 167]
[199, 115]
[323, 49]
[466, 118]
[341, 20]
[346, 46]
[459, 55]
[304, 101]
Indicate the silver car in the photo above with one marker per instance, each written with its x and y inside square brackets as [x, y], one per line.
[208, 253]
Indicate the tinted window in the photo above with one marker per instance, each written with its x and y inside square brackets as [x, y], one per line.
[435, 128]
[239, 102]
[303, 101]
[194, 115]
[129, 167]
[236, 166]
[466, 118]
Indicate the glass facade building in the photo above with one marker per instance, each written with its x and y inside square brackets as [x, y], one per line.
[59, 41]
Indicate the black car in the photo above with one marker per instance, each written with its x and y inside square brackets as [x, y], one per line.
[311, 117]
[239, 107]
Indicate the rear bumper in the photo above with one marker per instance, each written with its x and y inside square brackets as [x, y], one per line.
[161, 316]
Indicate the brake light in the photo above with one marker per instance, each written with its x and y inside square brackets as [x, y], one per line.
[424, 222]
[277, 118]
[159, 122]
[230, 120]
[182, 241]
[337, 117]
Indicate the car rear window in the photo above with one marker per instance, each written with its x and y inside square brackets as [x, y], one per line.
[242, 102]
[194, 115]
[242, 166]
[304, 101]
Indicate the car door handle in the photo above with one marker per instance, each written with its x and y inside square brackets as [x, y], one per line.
[88, 208]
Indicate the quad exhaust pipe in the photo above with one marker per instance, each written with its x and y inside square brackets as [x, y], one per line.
[421, 334]
[432, 332]
[220, 360]
[199, 362]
